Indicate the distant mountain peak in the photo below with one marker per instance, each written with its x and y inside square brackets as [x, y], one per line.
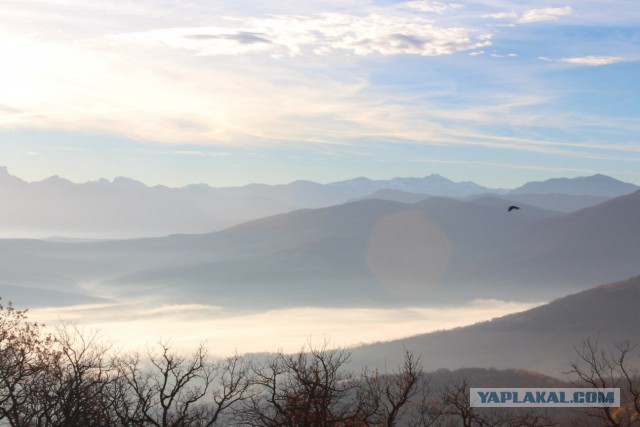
[437, 177]
[355, 182]
[6, 177]
[594, 185]
[360, 179]
[55, 179]
[597, 178]
[124, 181]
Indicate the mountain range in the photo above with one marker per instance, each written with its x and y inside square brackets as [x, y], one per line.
[125, 208]
[358, 243]
[118, 209]
[368, 252]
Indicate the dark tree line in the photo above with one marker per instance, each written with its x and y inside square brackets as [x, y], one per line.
[72, 378]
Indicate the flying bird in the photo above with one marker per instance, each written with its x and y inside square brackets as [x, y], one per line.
[512, 207]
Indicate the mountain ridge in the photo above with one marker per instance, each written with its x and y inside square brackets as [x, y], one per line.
[389, 251]
[594, 185]
[124, 207]
[542, 338]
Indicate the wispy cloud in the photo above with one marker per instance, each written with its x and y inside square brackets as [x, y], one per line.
[508, 55]
[321, 35]
[431, 6]
[531, 15]
[501, 15]
[544, 14]
[593, 60]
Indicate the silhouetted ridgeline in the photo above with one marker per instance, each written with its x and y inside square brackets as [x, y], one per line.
[126, 208]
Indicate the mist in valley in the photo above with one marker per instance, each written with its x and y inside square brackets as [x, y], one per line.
[141, 325]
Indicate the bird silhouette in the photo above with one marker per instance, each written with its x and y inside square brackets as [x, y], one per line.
[512, 207]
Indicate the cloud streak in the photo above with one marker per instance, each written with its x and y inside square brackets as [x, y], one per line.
[593, 60]
[531, 15]
[431, 6]
[324, 34]
[501, 15]
[544, 14]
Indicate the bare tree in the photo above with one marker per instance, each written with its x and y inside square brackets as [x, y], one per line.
[455, 401]
[428, 410]
[309, 388]
[457, 411]
[314, 388]
[74, 386]
[233, 385]
[383, 398]
[170, 393]
[24, 351]
[597, 368]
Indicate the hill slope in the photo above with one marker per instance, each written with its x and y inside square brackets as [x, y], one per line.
[591, 246]
[365, 252]
[541, 339]
[371, 250]
[566, 203]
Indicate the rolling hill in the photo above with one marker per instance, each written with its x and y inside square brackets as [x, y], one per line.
[540, 339]
[354, 253]
[566, 203]
[360, 253]
[591, 246]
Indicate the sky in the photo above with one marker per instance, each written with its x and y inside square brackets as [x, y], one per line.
[229, 93]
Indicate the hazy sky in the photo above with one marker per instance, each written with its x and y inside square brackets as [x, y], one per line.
[227, 93]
